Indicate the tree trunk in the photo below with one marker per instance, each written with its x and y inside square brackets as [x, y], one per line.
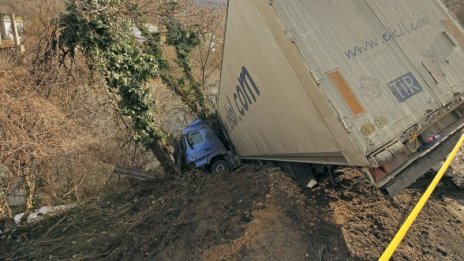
[31, 186]
[6, 217]
[165, 160]
[29, 179]
[5, 211]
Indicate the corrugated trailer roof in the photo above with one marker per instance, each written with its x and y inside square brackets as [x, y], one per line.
[384, 65]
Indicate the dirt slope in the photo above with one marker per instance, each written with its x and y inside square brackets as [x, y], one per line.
[251, 214]
[369, 219]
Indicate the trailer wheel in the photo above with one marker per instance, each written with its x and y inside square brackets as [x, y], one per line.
[219, 166]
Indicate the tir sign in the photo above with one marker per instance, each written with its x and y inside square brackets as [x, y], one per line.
[405, 87]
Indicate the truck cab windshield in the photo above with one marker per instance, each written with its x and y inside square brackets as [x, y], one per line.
[194, 139]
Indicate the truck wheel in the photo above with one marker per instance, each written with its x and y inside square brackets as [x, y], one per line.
[219, 166]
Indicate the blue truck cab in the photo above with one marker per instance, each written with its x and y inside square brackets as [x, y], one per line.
[204, 149]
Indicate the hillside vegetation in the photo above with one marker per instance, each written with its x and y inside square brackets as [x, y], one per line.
[67, 119]
[66, 123]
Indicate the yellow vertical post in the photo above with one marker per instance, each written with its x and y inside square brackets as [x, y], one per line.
[17, 40]
[14, 28]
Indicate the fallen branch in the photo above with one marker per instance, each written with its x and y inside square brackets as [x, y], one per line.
[132, 174]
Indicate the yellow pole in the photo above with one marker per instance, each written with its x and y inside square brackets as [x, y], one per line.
[417, 209]
[14, 27]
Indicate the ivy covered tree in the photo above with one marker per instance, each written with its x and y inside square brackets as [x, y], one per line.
[103, 31]
[184, 42]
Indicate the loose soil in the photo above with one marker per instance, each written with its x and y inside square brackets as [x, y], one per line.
[369, 219]
[254, 213]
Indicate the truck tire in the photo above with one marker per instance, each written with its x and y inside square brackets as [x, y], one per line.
[219, 166]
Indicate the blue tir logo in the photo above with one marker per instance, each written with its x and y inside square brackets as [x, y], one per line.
[405, 87]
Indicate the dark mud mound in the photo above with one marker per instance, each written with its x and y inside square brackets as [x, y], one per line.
[249, 214]
[286, 226]
[369, 219]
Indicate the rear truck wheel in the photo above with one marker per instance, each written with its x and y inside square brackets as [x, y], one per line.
[219, 166]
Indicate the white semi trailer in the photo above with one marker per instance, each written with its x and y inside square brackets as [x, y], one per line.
[369, 83]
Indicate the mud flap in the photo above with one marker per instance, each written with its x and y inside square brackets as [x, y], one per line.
[233, 160]
[417, 169]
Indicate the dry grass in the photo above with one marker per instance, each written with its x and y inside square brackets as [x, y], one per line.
[60, 134]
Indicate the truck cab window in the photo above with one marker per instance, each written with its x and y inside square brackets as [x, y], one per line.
[194, 138]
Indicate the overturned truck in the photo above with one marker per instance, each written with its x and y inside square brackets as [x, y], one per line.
[373, 84]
